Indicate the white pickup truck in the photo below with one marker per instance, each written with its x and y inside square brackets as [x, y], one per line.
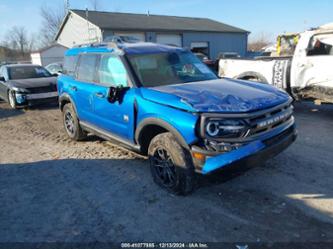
[303, 67]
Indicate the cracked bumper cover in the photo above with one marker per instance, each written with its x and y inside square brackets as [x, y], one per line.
[254, 152]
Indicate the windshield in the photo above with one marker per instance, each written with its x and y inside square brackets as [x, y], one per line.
[27, 72]
[169, 68]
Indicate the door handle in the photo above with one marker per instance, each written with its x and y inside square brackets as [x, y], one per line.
[73, 88]
[99, 95]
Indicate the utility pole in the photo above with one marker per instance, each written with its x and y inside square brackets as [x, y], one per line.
[66, 5]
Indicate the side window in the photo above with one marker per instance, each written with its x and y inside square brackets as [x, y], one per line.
[112, 71]
[69, 65]
[50, 69]
[87, 68]
[321, 45]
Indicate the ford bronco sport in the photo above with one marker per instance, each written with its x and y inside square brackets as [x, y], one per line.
[162, 101]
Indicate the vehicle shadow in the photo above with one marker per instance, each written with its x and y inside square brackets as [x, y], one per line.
[7, 112]
[82, 200]
[324, 111]
[44, 106]
[223, 175]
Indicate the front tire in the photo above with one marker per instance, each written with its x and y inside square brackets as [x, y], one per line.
[12, 99]
[170, 164]
[71, 123]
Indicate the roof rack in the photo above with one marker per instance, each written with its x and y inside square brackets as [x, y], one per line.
[111, 44]
[91, 44]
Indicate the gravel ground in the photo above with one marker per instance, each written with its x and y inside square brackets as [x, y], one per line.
[56, 190]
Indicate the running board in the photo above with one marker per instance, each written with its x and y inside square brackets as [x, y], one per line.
[110, 137]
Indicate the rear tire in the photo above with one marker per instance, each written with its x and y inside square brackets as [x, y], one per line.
[171, 165]
[71, 123]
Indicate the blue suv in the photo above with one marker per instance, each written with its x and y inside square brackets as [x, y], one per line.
[163, 102]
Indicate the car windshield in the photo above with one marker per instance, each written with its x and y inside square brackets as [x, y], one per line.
[27, 72]
[169, 68]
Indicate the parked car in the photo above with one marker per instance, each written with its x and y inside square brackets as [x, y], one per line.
[55, 68]
[163, 102]
[301, 65]
[205, 59]
[25, 84]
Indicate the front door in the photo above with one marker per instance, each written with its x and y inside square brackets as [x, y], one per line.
[313, 68]
[116, 118]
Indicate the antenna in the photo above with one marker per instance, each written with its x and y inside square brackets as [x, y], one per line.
[88, 28]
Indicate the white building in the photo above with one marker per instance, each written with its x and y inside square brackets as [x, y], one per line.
[48, 55]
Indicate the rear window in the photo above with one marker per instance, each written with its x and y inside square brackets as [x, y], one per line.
[70, 65]
[87, 68]
[27, 72]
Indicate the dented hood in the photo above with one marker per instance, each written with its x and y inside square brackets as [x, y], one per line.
[222, 95]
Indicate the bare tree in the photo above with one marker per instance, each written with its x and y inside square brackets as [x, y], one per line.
[51, 21]
[17, 45]
[95, 4]
[260, 42]
[17, 39]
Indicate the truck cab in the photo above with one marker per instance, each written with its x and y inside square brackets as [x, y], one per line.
[164, 103]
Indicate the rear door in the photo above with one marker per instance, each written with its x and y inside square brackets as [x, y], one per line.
[116, 118]
[83, 88]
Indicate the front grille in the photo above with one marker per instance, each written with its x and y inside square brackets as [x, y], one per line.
[44, 89]
[269, 120]
[258, 124]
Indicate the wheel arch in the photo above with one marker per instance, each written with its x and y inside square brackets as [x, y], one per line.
[65, 99]
[252, 74]
[150, 127]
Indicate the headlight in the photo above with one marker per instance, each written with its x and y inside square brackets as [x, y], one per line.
[225, 128]
[20, 90]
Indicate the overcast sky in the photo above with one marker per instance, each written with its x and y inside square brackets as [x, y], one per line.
[257, 16]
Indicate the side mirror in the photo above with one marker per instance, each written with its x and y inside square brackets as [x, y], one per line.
[55, 75]
[2, 78]
[116, 93]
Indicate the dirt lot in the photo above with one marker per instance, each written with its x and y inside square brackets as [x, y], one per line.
[53, 189]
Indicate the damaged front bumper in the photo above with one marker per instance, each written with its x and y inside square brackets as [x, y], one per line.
[254, 152]
[25, 99]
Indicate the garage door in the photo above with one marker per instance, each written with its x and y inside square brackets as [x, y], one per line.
[199, 45]
[139, 36]
[170, 39]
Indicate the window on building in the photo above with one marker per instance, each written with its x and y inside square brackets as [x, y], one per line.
[87, 66]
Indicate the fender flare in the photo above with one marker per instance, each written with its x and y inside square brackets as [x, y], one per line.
[66, 97]
[257, 75]
[160, 122]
